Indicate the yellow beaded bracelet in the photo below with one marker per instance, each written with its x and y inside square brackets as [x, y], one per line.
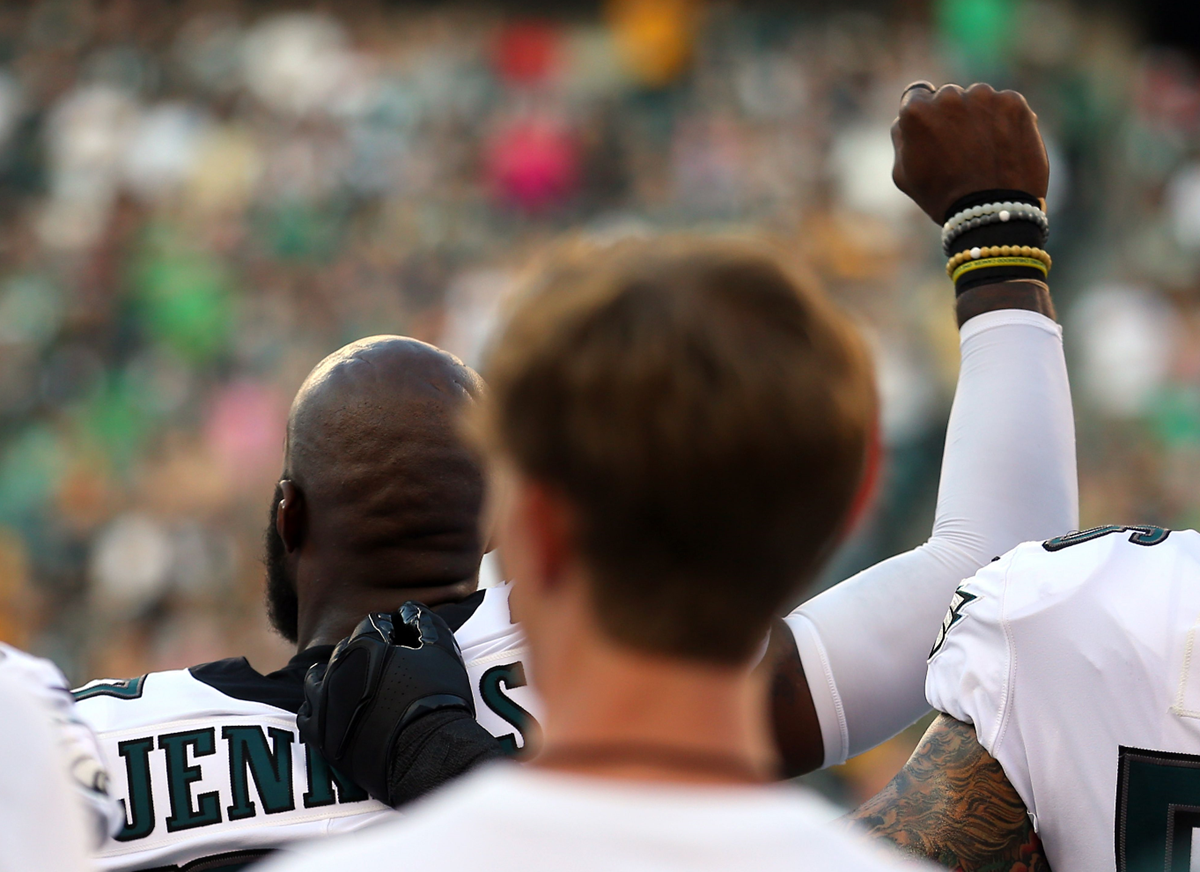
[1032, 262]
[994, 251]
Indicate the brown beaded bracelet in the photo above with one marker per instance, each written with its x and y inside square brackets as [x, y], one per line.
[997, 251]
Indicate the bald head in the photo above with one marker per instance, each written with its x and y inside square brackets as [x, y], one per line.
[390, 493]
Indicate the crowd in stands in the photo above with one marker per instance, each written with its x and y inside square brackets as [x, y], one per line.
[199, 200]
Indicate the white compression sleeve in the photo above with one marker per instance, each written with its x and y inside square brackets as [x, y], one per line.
[1008, 476]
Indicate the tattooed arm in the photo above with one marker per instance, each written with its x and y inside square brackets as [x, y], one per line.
[953, 804]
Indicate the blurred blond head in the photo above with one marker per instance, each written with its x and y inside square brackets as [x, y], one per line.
[703, 412]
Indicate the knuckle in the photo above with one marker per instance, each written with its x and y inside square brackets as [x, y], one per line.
[914, 111]
[1013, 98]
[950, 93]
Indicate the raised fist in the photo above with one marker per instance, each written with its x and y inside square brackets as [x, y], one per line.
[953, 142]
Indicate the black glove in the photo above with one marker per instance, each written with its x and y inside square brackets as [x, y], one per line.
[393, 710]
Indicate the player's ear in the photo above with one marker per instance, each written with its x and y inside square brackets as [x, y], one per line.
[290, 517]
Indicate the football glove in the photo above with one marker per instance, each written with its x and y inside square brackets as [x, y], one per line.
[392, 710]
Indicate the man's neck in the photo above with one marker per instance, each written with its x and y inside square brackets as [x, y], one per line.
[328, 622]
[631, 715]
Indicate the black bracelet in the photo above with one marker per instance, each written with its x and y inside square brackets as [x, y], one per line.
[1016, 233]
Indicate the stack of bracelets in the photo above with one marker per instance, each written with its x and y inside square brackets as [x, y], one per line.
[995, 236]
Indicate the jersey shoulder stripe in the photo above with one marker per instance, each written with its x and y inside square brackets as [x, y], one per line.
[117, 688]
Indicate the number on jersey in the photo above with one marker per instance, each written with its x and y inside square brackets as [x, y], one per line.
[1158, 806]
[1139, 534]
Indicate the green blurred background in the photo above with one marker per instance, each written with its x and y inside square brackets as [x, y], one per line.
[199, 200]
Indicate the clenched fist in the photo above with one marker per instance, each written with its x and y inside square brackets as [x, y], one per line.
[953, 142]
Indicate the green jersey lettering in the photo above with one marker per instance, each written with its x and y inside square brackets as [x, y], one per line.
[180, 776]
[139, 809]
[272, 769]
[492, 685]
[321, 781]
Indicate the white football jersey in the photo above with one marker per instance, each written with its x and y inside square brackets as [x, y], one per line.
[53, 807]
[1074, 659]
[46, 684]
[210, 767]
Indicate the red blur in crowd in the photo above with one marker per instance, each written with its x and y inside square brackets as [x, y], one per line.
[527, 52]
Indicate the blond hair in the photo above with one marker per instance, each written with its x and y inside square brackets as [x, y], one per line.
[705, 410]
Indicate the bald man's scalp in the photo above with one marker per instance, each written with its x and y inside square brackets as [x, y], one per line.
[375, 444]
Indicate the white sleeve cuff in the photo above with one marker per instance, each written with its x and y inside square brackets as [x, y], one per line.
[1005, 317]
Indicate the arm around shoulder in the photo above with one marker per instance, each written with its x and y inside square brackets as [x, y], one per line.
[953, 804]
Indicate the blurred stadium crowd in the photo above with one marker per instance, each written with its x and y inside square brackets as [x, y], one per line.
[199, 200]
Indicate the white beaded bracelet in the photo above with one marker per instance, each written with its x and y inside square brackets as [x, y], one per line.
[1015, 210]
[991, 213]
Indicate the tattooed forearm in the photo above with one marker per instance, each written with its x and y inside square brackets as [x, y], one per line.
[953, 804]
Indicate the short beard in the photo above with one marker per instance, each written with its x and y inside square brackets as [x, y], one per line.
[283, 606]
